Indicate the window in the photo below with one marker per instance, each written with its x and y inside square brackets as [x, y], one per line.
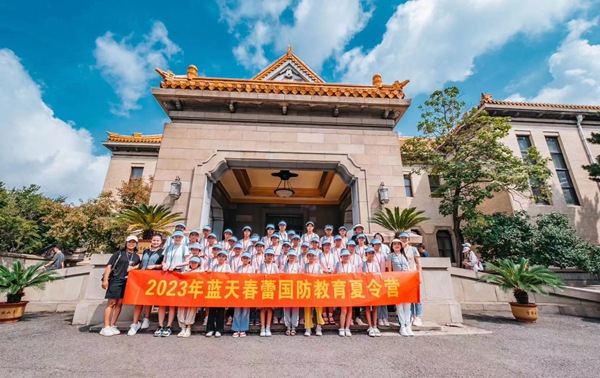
[434, 184]
[539, 197]
[562, 171]
[136, 173]
[444, 242]
[408, 186]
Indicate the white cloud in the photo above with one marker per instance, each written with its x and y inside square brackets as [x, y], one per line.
[130, 67]
[575, 68]
[319, 29]
[431, 42]
[38, 148]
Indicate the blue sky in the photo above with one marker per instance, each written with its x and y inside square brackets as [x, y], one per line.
[71, 70]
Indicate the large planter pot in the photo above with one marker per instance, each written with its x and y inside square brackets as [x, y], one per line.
[12, 312]
[527, 313]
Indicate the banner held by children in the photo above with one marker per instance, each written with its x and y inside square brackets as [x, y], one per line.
[147, 287]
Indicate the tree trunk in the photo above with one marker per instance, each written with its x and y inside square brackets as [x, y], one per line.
[458, 238]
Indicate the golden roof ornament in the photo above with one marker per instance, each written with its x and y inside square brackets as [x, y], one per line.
[192, 72]
[377, 81]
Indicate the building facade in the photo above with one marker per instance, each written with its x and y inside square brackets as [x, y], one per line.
[230, 142]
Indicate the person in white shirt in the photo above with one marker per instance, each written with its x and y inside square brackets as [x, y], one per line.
[283, 234]
[216, 315]
[328, 262]
[357, 261]
[178, 227]
[315, 244]
[206, 230]
[291, 266]
[228, 233]
[230, 243]
[343, 231]
[471, 260]
[313, 267]
[371, 266]
[266, 314]
[186, 316]
[235, 262]
[241, 316]
[337, 246]
[295, 240]
[246, 241]
[309, 235]
[267, 238]
[345, 266]
[380, 259]
[276, 245]
[414, 264]
[328, 234]
[176, 258]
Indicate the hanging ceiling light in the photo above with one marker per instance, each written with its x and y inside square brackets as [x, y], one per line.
[284, 189]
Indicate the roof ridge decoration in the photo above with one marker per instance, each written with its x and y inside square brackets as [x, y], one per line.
[192, 81]
[289, 56]
[487, 99]
[134, 138]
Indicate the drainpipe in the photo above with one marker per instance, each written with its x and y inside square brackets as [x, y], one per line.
[584, 140]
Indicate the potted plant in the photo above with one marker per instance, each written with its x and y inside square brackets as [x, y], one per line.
[522, 278]
[147, 220]
[14, 281]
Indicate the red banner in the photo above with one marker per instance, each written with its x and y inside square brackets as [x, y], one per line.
[147, 287]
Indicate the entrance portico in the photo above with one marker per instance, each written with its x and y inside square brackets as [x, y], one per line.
[296, 122]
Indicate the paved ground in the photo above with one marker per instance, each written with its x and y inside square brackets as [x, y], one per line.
[46, 345]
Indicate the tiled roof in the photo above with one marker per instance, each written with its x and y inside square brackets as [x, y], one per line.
[134, 138]
[487, 99]
[276, 64]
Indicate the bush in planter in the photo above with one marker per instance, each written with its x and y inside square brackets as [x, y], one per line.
[14, 281]
[521, 278]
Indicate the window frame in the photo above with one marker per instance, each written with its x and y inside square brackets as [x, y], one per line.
[538, 197]
[570, 188]
[133, 169]
[408, 189]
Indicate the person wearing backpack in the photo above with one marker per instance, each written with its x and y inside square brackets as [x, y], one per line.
[114, 281]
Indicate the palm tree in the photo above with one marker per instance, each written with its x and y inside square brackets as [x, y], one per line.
[398, 221]
[148, 220]
[521, 278]
[14, 281]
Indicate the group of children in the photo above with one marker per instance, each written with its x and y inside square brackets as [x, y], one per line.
[277, 252]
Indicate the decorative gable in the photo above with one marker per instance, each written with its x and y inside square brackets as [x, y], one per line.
[289, 68]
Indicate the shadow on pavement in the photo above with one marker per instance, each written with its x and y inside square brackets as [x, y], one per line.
[498, 319]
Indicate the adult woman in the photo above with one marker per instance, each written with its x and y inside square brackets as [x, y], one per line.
[151, 260]
[414, 264]
[176, 258]
[471, 260]
[398, 262]
[114, 282]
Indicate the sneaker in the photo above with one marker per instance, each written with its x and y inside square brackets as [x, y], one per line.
[307, 332]
[348, 333]
[371, 332]
[217, 334]
[409, 330]
[133, 329]
[188, 331]
[319, 331]
[145, 323]
[380, 322]
[386, 322]
[263, 332]
[106, 331]
[209, 334]
[341, 332]
[205, 322]
[115, 330]
[236, 334]
[166, 332]
[403, 331]
[417, 322]
[268, 332]
[242, 334]
[377, 332]
[359, 322]
[158, 332]
[229, 321]
[182, 333]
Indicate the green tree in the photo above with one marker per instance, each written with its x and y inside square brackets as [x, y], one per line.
[22, 228]
[465, 149]
[549, 240]
[135, 191]
[398, 221]
[594, 169]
